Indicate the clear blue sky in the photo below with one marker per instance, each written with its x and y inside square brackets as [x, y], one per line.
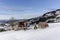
[31, 7]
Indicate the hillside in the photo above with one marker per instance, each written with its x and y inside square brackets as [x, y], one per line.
[50, 33]
[50, 17]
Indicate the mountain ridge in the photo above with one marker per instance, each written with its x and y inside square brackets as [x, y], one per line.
[43, 18]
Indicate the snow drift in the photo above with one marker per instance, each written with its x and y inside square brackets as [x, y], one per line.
[50, 33]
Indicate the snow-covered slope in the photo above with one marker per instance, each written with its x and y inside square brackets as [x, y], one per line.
[50, 33]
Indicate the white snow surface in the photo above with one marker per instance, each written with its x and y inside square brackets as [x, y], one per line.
[50, 33]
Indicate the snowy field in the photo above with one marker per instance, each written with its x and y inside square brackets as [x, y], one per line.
[50, 33]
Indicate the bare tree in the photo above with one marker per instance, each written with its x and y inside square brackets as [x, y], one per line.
[11, 22]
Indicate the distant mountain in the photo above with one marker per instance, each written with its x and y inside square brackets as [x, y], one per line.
[7, 21]
[3, 21]
[50, 17]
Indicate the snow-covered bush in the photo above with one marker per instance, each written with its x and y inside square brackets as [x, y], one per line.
[1, 30]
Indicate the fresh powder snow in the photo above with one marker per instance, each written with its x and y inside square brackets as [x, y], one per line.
[50, 33]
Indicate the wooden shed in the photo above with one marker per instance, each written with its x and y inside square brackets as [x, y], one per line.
[41, 25]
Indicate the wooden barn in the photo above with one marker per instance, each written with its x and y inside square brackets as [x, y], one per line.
[21, 25]
[41, 25]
